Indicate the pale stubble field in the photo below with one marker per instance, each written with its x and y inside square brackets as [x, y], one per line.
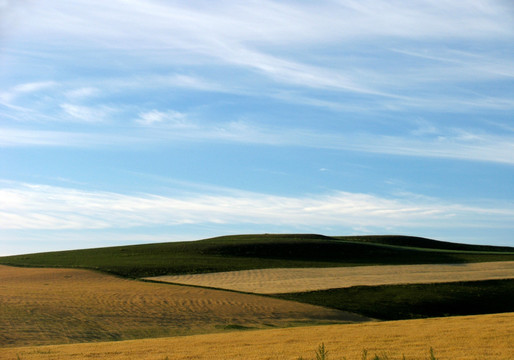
[277, 281]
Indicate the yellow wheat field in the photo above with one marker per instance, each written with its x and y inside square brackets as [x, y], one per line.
[275, 281]
[52, 306]
[455, 338]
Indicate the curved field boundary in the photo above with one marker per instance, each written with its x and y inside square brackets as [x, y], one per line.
[277, 281]
[55, 306]
[485, 337]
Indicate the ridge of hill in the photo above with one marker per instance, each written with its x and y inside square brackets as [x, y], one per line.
[423, 243]
[245, 252]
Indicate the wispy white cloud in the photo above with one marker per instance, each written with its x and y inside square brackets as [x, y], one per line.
[484, 67]
[32, 87]
[167, 81]
[445, 143]
[21, 137]
[54, 208]
[171, 118]
[16, 137]
[271, 21]
[456, 145]
[279, 42]
[82, 92]
[90, 114]
[250, 35]
[23, 89]
[422, 142]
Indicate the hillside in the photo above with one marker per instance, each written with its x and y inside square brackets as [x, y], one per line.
[423, 243]
[244, 252]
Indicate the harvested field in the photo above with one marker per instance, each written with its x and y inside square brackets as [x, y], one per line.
[464, 338]
[53, 306]
[277, 281]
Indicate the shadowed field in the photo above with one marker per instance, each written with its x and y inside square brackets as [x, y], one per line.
[414, 301]
[484, 337]
[276, 281]
[52, 306]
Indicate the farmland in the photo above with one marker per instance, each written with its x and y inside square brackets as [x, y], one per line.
[52, 306]
[463, 338]
[87, 298]
[275, 281]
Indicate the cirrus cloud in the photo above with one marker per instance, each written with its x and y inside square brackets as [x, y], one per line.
[33, 206]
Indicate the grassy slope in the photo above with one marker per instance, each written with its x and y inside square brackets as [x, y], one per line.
[393, 302]
[423, 243]
[245, 252]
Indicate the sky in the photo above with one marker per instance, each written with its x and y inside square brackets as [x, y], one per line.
[138, 121]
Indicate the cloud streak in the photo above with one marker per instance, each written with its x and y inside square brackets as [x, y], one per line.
[7, 97]
[271, 21]
[86, 113]
[17, 137]
[171, 118]
[161, 127]
[29, 206]
[250, 35]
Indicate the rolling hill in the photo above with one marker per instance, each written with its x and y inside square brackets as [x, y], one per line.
[273, 251]
[245, 252]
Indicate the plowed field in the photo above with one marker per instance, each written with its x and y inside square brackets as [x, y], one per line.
[52, 306]
[276, 281]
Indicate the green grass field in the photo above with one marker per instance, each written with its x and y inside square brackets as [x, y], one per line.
[244, 252]
[395, 302]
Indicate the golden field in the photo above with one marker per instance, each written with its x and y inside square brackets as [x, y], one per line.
[276, 281]
[52, 306]
[462, 338]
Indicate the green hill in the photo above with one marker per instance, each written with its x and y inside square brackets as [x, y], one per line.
[243, 252]
[423, 243]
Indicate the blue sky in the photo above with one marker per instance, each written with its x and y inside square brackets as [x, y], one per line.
[131, 121]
